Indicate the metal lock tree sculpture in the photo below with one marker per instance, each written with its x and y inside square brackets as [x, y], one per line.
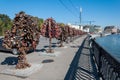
[68, 33]
[50, 29]
[63, 36]
[71, 33]
[24, 36]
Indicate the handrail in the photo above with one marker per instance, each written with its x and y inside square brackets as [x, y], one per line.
[108, 66]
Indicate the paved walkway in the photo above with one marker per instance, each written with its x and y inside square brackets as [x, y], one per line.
[82, 66]
[73, 63]
[54, 68]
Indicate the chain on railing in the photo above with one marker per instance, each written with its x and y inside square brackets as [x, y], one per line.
[108, 66]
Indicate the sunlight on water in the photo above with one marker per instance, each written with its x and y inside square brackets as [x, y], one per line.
[111, 44]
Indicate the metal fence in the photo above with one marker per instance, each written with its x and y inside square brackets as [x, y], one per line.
[108, 66]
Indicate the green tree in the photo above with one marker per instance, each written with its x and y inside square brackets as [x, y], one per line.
[5, 23]
[61, 24]
[39, 22]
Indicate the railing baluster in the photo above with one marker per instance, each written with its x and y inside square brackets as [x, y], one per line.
[108, 66]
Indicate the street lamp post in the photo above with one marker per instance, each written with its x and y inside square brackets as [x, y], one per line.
[80, 17]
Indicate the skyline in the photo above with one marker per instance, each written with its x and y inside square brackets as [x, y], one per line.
[103, 12]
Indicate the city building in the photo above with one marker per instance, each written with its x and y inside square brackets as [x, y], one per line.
[73, 26]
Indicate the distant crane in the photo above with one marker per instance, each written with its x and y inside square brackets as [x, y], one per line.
[90, 22]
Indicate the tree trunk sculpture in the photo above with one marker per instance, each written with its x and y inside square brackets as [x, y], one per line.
[23, 36]
[63, 36]
[50, 30]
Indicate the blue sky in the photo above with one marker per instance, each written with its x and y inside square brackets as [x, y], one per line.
[103, 12]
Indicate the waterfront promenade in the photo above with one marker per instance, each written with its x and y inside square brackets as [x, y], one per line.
[83, 66]
[73, 62]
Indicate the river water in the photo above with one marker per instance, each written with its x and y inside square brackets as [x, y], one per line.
[111, 44]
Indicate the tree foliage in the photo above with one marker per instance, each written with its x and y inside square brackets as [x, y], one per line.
[50, 29]
[24, 36]
[39, 22]
[5, 23]
[63, 36]
[61, 24]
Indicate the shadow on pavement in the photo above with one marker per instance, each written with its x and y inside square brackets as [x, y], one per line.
[10, 61]
[83, 74]
[40, 50]
[74, 46]
[76, 72]
[73, 66]
[54, 43]
[51, 46]
[48, 61]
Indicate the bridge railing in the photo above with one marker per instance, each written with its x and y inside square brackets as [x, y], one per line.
[108, 66]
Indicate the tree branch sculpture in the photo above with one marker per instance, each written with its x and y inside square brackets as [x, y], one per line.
[24, 36]
[50, 30]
